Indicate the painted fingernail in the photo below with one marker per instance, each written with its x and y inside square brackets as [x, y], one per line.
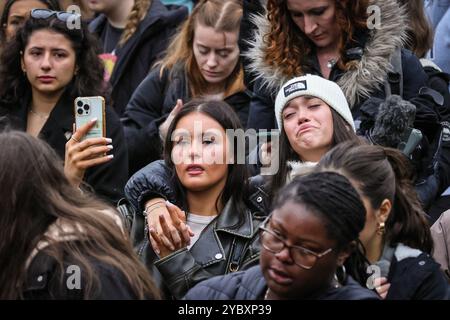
[169, 203]
[111, 156]
[108, 140]
[110, 146]
[93, 120]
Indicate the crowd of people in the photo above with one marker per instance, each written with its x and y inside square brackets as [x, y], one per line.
[173, 200]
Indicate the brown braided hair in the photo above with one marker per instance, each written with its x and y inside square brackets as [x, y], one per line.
[288, 47]
[137, 14]
[223, 16]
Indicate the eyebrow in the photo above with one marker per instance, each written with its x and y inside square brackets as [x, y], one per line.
[16, 16]
[218, 49]
[297, 240]
[310, 10]
[51, 49]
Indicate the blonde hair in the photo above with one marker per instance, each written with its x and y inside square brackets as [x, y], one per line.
[137, 14]
[223, 16]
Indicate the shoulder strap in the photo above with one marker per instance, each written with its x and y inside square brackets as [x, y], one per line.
[394, 81]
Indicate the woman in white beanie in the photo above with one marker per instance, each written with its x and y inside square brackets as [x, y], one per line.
[313, 116]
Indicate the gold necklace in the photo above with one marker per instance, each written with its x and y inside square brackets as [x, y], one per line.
[40, 115]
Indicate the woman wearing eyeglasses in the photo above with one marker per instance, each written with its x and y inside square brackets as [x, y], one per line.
[42, 71]
[304, 244]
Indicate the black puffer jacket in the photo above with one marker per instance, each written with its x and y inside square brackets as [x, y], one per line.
[251, 285]
[149, 107]
[224, 246]
[142, 50]
[414, 275]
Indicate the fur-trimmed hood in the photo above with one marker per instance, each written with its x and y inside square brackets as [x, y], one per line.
[370, 72]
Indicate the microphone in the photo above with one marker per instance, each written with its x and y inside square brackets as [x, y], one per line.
[393, 122]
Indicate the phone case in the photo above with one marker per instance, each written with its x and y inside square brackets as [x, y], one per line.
[88, 108]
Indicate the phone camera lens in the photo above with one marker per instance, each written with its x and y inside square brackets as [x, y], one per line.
[80, 111]
[80, 103]
[86, 107]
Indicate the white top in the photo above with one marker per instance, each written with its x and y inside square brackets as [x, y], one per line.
[197, 224]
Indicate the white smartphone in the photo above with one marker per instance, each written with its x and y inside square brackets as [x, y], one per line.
[88, 108]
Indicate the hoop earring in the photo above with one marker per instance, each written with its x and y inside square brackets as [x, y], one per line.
[340, 282]
[381, 229]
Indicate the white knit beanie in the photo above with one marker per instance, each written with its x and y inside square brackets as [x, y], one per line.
[315, 86]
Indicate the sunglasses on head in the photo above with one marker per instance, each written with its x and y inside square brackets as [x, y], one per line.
[60, 15]
[69, 18]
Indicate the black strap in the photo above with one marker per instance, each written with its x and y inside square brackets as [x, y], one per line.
[394, 81]
[237, 252]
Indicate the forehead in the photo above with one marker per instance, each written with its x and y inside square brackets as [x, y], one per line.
[302, 100]
[209, 37]
[200, 122]
[49, 39]
[306, 5]
[22, 8]
[299, 222]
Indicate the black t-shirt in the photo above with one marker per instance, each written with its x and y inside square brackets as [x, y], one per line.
[110, 37]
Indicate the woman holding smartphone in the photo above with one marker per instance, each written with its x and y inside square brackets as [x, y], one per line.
[42, 70]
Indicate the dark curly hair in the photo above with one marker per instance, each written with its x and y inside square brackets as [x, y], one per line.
[288, 46]
[88, 80]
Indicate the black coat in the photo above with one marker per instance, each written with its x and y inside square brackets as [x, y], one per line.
[251, 285]
[417, 278]
[150, 105]
[142, 50]
[107, 180]
[224, 246]
[44, 281]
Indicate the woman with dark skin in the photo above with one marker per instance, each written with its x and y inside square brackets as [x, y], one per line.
[304, 243]
[16, 12]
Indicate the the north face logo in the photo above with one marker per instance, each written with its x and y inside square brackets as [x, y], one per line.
[294, 87]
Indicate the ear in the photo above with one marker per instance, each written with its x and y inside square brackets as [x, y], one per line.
[383, 212]
[345, 253]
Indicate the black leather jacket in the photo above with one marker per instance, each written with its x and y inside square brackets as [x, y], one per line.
[224, 246]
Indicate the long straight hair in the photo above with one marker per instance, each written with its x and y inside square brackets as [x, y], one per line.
[37, 196]
[419, 31]
[236, 186]
[222, 16]
[341, 132]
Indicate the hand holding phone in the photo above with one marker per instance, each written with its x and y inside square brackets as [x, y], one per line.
[87, 109]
